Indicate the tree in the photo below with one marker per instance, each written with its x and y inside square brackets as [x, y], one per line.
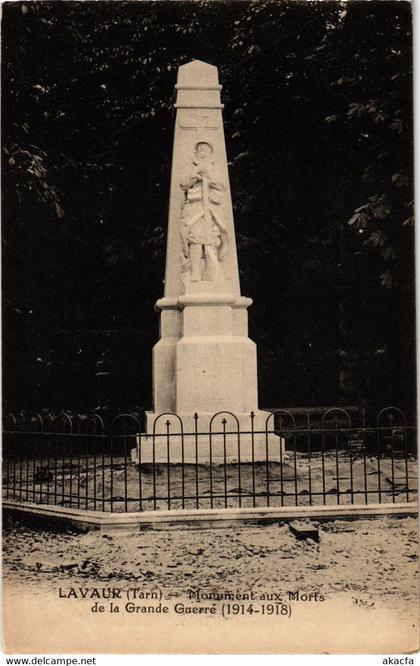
[319, 134]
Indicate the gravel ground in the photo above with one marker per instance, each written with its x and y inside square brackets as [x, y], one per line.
[298, 481]
[373, 560]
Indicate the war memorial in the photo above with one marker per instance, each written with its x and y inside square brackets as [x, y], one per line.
[204, 363]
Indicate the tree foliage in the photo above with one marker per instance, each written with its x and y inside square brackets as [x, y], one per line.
[318, 125]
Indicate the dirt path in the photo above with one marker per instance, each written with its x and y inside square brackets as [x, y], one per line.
[373, 560]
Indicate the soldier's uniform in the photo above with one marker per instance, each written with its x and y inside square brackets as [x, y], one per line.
[196, 227]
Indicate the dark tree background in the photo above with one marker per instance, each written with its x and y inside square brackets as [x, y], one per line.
[318, 125]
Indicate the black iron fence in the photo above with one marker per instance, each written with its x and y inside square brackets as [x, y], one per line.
[325, 459]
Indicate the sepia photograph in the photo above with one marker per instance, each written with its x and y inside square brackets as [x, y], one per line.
[209, 400]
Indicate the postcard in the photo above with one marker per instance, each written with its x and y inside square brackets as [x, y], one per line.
[209, 374]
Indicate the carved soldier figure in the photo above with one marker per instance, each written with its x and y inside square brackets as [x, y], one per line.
[203, 234]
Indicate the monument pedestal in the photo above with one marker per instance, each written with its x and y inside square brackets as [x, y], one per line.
[213, 381]
[210, 362]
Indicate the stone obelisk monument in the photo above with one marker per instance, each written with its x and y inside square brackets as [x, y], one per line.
[204, 361]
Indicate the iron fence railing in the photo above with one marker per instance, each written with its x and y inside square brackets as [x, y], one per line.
[331, 458]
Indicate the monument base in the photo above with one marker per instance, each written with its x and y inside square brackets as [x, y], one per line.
[201, 449]
[215, 439]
